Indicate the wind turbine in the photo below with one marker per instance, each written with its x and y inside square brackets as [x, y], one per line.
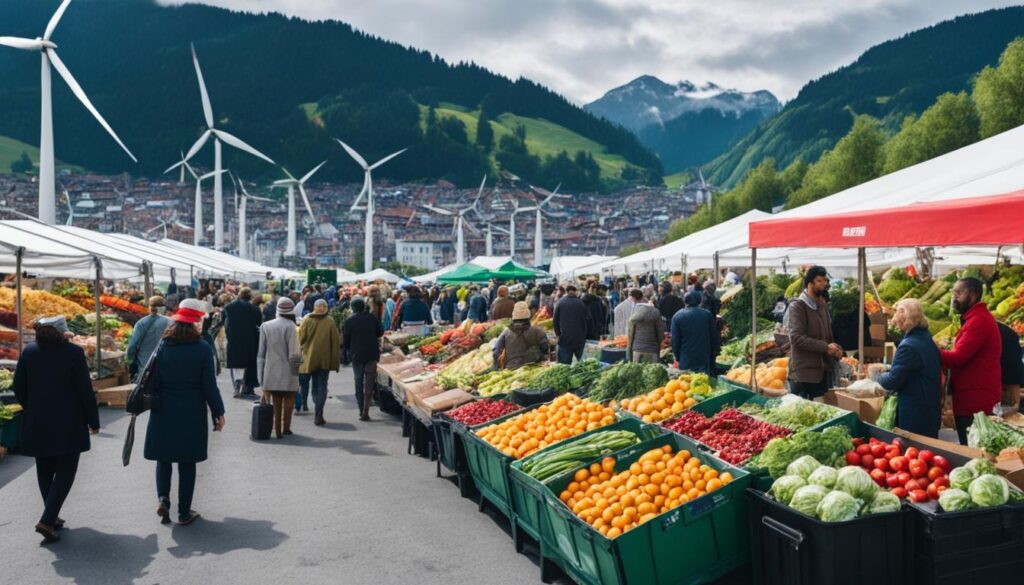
[705, 192]
[489, 249]
[66, 198]
[166, 222]
[183, 166]
[243, 251]
[48, 51]
[369, 205]
[460, 223]
[198, 216]
[291, 182]
[538, 236]
[218, 137]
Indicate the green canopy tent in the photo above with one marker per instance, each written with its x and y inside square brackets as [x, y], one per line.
[467, 272]
[513, 270]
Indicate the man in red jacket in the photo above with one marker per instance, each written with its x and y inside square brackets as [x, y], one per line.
[974, 366]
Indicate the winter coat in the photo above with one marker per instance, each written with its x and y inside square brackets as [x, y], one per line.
[694, 336]
[413, 311]
[145, 337]
[278, 354]
[571, 322]
[448, 307]
[186, 380]
[710, 303]
[242, 328]
[915, 378]
[975, 376]
[646, 330]
[597, 316]
[523, 344]
[810, 333]
[53, 386]
[621, 316]
[669, 305]
[270, 310]
[502, 308]
[320, 342]
[362, 337]
[477, 308]
[1010, 359]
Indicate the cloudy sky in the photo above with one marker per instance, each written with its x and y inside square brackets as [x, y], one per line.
[582, 48]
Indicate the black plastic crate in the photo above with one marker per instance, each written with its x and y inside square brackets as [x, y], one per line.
[450, 452]
[790, 548]
[979, 544]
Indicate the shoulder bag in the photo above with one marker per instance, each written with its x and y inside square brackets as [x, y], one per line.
[142, 398]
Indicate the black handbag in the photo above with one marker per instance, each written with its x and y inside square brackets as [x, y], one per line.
[144, 397]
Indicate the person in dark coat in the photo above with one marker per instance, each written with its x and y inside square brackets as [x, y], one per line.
[597, 315]
[476, 307]
[709, 300]
[51, 382]
[1011, 366]
[413, 309]
[915, 373]
[572, 321]
[669, 304]
[362, 339]
[242, 321]
[448, 302]
[186, 381]
[694, 336]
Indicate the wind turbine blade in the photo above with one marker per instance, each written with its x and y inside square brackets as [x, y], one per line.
[437, 210]
[191, 170]
[174, 166]
[237, 143]
[471, 228]
[291, 177]
[198, 145]
[387, 158]
[55, 19]
[355, 155]
[19, 43]
[207, 108]
[703, 185]
[212, 174]
[283, 182]
[359, 198]
[309, 209]
[80, 94]
[255, 198]
[499, 229]
[525, 209]
[311, 173]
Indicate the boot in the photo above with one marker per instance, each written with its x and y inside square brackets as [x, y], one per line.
[238, 388]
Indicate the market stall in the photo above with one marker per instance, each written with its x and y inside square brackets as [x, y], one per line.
[567, 268]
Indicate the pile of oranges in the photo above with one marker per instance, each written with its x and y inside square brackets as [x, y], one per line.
[615, 503]
[564, 417]
[662, 403]
[770, 376]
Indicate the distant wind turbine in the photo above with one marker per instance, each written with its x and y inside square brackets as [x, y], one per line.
[291, 183]
[164, 223]
[243, 251]
[198, 216]
[218, 136]
[460, 223]
[538, 235]
[369, 205]
[47, 170]
[183, 166]
[489, 246]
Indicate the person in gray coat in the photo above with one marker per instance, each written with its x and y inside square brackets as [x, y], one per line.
[646, 330]
[145, 337]
[277, 364]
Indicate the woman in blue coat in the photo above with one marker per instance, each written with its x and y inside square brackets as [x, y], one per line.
[185, 378]
[914, 376]
[52, 384]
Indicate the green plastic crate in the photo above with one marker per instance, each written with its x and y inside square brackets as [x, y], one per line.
[489, 467]
[724, 382]
[528, 494]
[697, 542]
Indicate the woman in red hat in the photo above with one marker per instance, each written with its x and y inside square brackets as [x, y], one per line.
[186, 381]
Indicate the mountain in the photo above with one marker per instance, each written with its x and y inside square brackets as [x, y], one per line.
[685, 124]
[889, 81]
[284, 85]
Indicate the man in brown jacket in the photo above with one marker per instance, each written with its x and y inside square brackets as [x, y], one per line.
[522, 343]
[813, 353]
[502, 308]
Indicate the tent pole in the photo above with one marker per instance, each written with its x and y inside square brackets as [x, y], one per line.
[147, 268]
[861, 268]
[19, 254]
[716, 277]
[753, 322]
[99, 318]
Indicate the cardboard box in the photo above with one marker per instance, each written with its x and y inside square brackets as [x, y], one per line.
[116, 396]
[830, 397]
[446, 401]
[102, 383]
[418, 392]
[957, 448]
[867, 408]
[1010, 464]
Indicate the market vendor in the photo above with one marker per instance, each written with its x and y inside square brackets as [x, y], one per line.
[522, 343]
[1012, 367]
[914, 376]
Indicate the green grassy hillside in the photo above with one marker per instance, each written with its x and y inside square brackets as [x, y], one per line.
[10, 151]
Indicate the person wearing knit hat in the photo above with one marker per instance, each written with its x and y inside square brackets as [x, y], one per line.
[146, 336]
[502, 308]
[320, 343]
[522, 343]
[178, 431]
[362, 334]
[278, 358]
[242, 330]
[695, 336]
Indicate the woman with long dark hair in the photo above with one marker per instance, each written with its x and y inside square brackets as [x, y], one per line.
[186, 381]
[52, 384]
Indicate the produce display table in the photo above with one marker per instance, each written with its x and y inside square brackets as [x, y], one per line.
[448, 437]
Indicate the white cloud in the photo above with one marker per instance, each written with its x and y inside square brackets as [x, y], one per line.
[582, 48]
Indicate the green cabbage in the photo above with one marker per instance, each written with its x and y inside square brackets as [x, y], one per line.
[807, 498]
[981, 467]
[838, 507]
[961, 478]
[784, 487]
[856, 482]
[954, 500]
[989, 490]
[824, 476]
[804, 466]
[884, 502]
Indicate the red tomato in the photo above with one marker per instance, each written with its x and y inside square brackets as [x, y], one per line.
[926, 456]
[852, 458]
[892, 480]
[873, 440]
[899, 492]
[882, 463]
[933, 492]
[940, 461]
[892, 452]
[868, 461]
[919, 495]
[941, 489]
[911, 453]
[911, 485]
[898, 442]
[917, 468]
[863, 450]
[942, 481]
[898, 463]
[902, 476]
[935, 473]
[858, 442]
[879, 476]
[878, 450]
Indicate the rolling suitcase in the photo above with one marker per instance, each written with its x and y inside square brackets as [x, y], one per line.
[262, 420]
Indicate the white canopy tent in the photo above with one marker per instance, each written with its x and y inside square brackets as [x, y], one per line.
[433, 276]
[374, 275]
[52, 258]
[246, 268]
[567, 267]
[490, 262]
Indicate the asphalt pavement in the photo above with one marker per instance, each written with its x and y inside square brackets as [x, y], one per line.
[343, 503]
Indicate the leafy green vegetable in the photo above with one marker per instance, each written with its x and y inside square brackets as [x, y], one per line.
[803, 467]
[625, 380]
[838, 506]
[828, 446]
[824, 476]
[989, 490]
[794, 414]
[961, 477]
[884, 502]
[981, 467]
[887, 418]
[807, 498]
[584, 372]
[784, 487]
[855, 481]
[955, 500]
[557, 377]
[993, 436]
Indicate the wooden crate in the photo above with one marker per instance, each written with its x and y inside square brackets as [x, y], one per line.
[116, 396]
[104, 383]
